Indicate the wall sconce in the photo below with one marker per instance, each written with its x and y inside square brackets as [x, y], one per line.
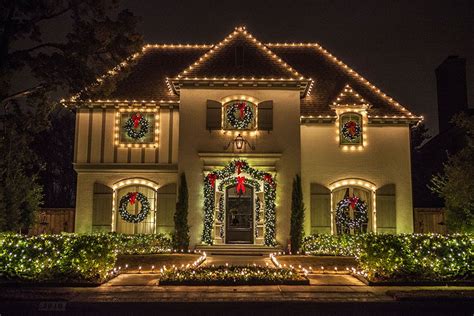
[239, 143]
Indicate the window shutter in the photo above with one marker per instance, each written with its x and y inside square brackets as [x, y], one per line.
[320, 209]
[265, 115]
[102, 208]
[386, 209]
[213, 115]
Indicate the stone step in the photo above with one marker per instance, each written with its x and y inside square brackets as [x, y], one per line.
[241, 250]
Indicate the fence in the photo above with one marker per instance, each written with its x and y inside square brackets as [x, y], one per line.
[53, 221]
[430, 220]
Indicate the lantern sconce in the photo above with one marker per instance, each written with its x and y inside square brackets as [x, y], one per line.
[239, 143]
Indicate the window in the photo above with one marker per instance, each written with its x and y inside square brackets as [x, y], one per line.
[350, 129]
[355, 205]
[147, 226]
[137, 127]
[239, 115]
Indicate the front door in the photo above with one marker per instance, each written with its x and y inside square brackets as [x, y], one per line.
[239, 216]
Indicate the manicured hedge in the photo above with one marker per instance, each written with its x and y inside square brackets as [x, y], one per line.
[402, 257]
[58, 258]
[231, 275]
[142, 243]
[71, 257]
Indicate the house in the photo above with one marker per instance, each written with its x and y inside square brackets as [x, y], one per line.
[241, 119]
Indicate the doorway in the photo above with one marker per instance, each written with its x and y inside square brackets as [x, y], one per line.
[239, 215]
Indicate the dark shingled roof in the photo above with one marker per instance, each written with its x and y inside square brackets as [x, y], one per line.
[146, 79]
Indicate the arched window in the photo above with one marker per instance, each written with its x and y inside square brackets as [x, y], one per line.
[350, 129]
[239, 115]
[147, 225]
[353, 210]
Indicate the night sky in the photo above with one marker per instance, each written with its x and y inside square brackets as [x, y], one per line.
[394, 44]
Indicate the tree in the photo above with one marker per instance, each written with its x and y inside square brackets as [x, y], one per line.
[456, 183]
[181, 228]
[297, 215]
[96, 38]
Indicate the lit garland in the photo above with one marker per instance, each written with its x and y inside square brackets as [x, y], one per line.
[343, 220]
[257, 214]
[231, 275]
[351, 130]
[269, 189]
[245, 115]
[220, 216]
[133, 123]
[131, 197]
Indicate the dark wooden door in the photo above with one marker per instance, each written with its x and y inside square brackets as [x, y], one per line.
[239, 216]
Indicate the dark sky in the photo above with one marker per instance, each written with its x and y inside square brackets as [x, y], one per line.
[394, 44]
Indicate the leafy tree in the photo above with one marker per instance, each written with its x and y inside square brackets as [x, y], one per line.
[297, 215]
[96, 37]
[456, 184]
[181, 227]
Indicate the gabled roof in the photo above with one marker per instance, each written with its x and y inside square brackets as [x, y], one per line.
[155, 74]
[348, 97]
[256, 60]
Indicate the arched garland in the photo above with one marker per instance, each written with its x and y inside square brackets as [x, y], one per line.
[343, 219]
[132, 197]
[136, 121]
[269, 189]
[351, 130]
[245, 115]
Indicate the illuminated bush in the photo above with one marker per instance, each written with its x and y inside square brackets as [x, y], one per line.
[59, 258]
[402, 257]
[71, 257]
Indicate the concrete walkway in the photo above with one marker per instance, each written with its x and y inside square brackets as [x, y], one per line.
[218, 260]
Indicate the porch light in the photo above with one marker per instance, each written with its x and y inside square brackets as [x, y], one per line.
[239, 143]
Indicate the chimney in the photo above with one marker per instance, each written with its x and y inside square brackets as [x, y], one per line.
[452, 90]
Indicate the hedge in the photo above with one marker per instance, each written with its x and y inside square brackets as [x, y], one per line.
[71, 257]
[430, 257]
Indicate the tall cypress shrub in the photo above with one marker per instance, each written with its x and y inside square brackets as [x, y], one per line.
[181, 228]
[297, 215]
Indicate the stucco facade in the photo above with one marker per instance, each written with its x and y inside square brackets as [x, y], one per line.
[299, 111]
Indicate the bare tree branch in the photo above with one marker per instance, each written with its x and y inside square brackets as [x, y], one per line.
[20, 94]
[40, 46]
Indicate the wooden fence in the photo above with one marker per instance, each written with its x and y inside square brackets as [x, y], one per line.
[430, 220]
[53, 221]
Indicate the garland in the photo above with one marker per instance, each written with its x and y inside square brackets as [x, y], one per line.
[133, 123]
[245, 115]
[351, 130]
[220, 216]
[132, 197]
[343, 219]
[269, 190]
[257, 215]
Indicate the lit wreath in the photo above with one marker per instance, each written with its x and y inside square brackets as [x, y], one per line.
[244, 114]
[343, 219]
[132, 197]
[137, 126]
[351, 130]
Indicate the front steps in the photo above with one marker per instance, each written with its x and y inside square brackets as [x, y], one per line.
[238, 249]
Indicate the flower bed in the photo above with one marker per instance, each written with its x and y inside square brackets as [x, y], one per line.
[404, 257]
[232, 275]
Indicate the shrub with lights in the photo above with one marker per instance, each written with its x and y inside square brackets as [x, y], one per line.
[406, 257]
[231, 174]
[142, 244]
[231, 275]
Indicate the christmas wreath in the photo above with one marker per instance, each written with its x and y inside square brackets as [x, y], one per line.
[137, 126]
[239, 115]
[344, 220]
[351, 130]
[132, 197]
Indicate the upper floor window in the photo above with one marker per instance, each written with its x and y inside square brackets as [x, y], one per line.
[350, 129]
[136, 128]
[239, 114]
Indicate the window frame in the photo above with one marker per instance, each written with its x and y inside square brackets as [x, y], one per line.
[226, 125]
[342, 141]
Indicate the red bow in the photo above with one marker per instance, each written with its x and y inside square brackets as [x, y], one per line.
[242, 107]
[212, 179]
[136, 119]
[239, 165]
[268, 178]
[351, 126]
[133, 197]
[240, 184]
[353, 201]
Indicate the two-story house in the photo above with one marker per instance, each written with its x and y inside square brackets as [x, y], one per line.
[241, 119]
